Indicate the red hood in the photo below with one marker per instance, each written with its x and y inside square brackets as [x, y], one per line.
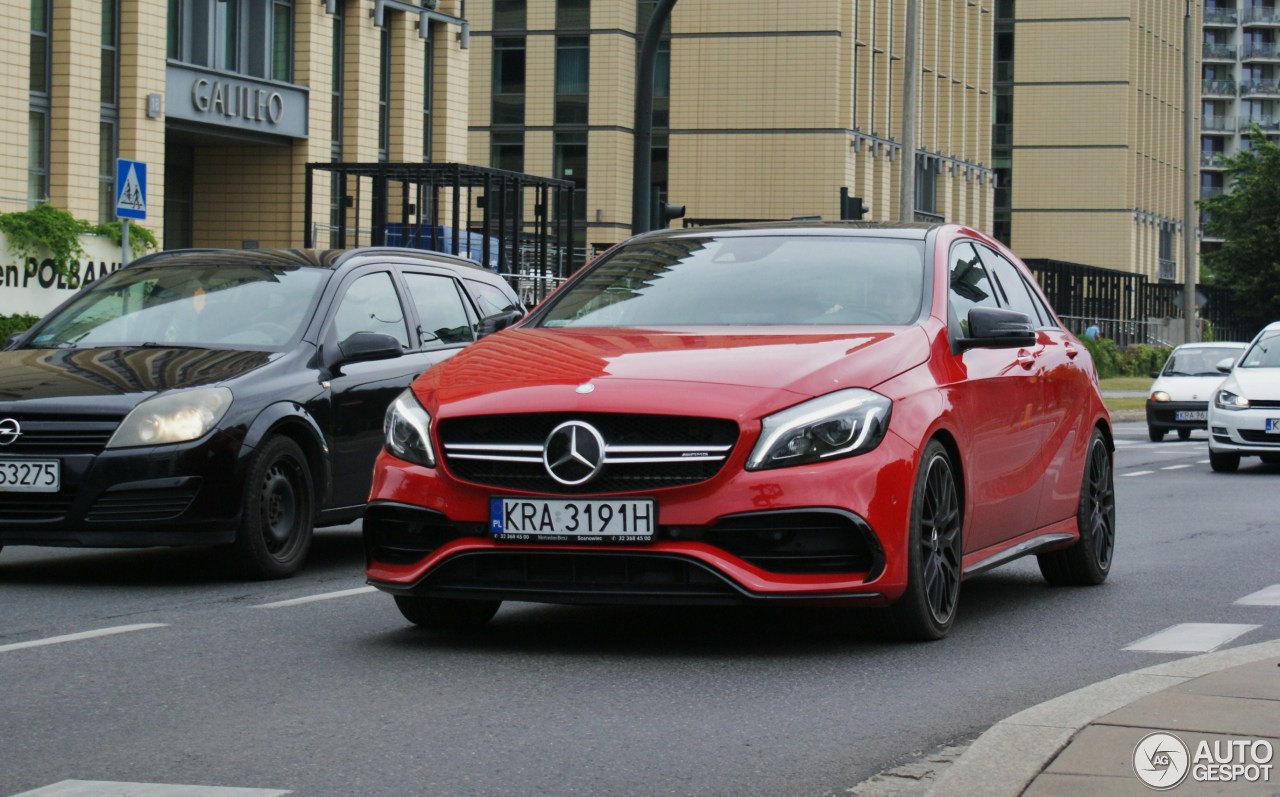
[716, 369]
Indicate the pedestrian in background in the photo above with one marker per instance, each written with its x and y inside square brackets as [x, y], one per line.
[1092, 331]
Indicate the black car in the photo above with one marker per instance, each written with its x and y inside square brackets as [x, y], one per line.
[224, 397]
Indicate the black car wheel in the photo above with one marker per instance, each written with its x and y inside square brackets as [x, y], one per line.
[1224, 463]
[446, 613]
[275, 530]
[928, 608]
[1184, 434]
[1088, 560]
[1155, 433]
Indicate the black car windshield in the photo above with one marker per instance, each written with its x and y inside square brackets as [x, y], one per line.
[207, 306]
[1264, 353]
[748, 280]
[1199, 360]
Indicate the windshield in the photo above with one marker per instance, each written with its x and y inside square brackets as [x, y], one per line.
[748, 280]
[206, 306]
[1199, 361]
[1264, 353]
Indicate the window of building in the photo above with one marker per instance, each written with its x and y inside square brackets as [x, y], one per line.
[508, 81]
[506, 151]
[570, 163]
[384, 92]
[572, 68]
[428, 95]
[109, 113]
[339, 60]
[247, 37]
[927, 173]
[509, 14]
[38, 93]
[573, 15]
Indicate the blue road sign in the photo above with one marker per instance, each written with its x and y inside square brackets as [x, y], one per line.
[131, 189]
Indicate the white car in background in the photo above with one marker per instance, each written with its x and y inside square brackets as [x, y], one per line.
[1179, 398]
[1244, 415]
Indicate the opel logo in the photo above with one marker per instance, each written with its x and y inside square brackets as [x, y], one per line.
[573, 453]
[9, 431]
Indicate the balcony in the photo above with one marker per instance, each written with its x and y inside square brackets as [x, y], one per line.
[1260, 51]
[1266, 123]
[1217, 124]
[1260, 16]
[1218, 88]
[1219, 52]
[1212, 160]
[1260, 88]
[1207, 191]
[1220, 17]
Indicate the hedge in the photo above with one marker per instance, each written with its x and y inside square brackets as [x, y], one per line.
[1136, 360]
[18, 322]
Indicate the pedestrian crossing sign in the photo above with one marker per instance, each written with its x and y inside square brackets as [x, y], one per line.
[131, 189]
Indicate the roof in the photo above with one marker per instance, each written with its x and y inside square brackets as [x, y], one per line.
[296, 258]
[871, 229]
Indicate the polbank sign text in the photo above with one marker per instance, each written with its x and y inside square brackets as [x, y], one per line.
[236, 101]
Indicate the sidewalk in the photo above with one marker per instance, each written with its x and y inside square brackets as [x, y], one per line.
[1084, 743]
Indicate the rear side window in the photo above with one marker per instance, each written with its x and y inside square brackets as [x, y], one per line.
[442, 315]
[490, 298]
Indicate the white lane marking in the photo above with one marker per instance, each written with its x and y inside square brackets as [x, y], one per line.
[1138, 473]
[1202, 462]
[312, 598]
[104, 788]
[1268, 596]
[54, 640]
[1175, 467]
[1191, 637]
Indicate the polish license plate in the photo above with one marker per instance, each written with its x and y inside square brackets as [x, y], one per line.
[1191, 415]
[30, 476]
[1273, 426]
[572, 520]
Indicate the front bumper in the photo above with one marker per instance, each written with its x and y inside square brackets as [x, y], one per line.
[188, 494]
[1173, 414]
[828, 533]
[1244, 431]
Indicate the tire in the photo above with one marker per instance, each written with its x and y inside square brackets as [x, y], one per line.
[927, 609]
[1155, 433]
[446, 614]
[1184, 434]
[1224, 463]
[1269, 459]
[275, 531]
[1088, 561]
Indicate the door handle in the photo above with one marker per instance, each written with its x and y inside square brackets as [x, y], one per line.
[1026, 359]
[1071, 350]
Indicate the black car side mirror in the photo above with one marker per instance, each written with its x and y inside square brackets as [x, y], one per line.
[997, 328]
[492, 323]
[364, 346]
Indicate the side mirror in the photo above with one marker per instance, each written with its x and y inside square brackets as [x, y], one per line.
[12, 339]
[492, 323]
[997, 328]
[1224, 365]
[364, 346]
[1155, 374]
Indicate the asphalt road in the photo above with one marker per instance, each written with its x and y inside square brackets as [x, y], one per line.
[216, 683]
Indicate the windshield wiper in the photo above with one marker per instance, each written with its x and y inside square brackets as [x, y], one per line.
[53, 344]
[151, 344]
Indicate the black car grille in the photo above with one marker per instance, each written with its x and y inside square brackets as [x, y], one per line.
[1254, 436]
[140, 505]
[1264, 403]
[643, 452]
[797, 541]
[61, 436]
[23, 507]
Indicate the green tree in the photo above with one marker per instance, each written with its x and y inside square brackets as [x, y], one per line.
[1248, 219]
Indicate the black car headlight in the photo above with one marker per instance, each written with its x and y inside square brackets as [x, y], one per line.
[407, 430]
[841, 424]
[1226, 400]
[172, 418]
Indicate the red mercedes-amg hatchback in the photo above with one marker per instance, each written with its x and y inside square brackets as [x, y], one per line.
[828, 413]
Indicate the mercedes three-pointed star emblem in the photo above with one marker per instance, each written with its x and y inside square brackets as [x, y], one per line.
[573, 453]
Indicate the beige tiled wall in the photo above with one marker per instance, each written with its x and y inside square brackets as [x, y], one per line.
[15, 65]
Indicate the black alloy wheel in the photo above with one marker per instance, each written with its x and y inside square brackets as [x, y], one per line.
[276, 529]
[1088, 561]
[928, 607]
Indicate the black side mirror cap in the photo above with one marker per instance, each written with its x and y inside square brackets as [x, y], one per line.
[365, 346]
[492, 323]
[998, 328]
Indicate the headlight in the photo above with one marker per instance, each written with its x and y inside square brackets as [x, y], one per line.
[1225, 399]
[841, 424]
[407, 430]
[172, 418]
[1159, 395]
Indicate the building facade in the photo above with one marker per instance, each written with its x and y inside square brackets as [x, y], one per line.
[1240, 85]
[1088, 135]
[765, 111]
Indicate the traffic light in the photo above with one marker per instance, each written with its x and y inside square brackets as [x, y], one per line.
[668, 212]
[852, 208]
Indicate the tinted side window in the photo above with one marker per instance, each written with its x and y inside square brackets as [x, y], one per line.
[970, 285]
[371, 305]
[490, 298]
[441, 313]
[1013, 288]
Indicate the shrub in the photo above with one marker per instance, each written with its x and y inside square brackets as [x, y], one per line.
[17, 322]
[1142, 360]
[1106, 356]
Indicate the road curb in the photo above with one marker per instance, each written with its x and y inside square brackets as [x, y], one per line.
[1007, 757]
